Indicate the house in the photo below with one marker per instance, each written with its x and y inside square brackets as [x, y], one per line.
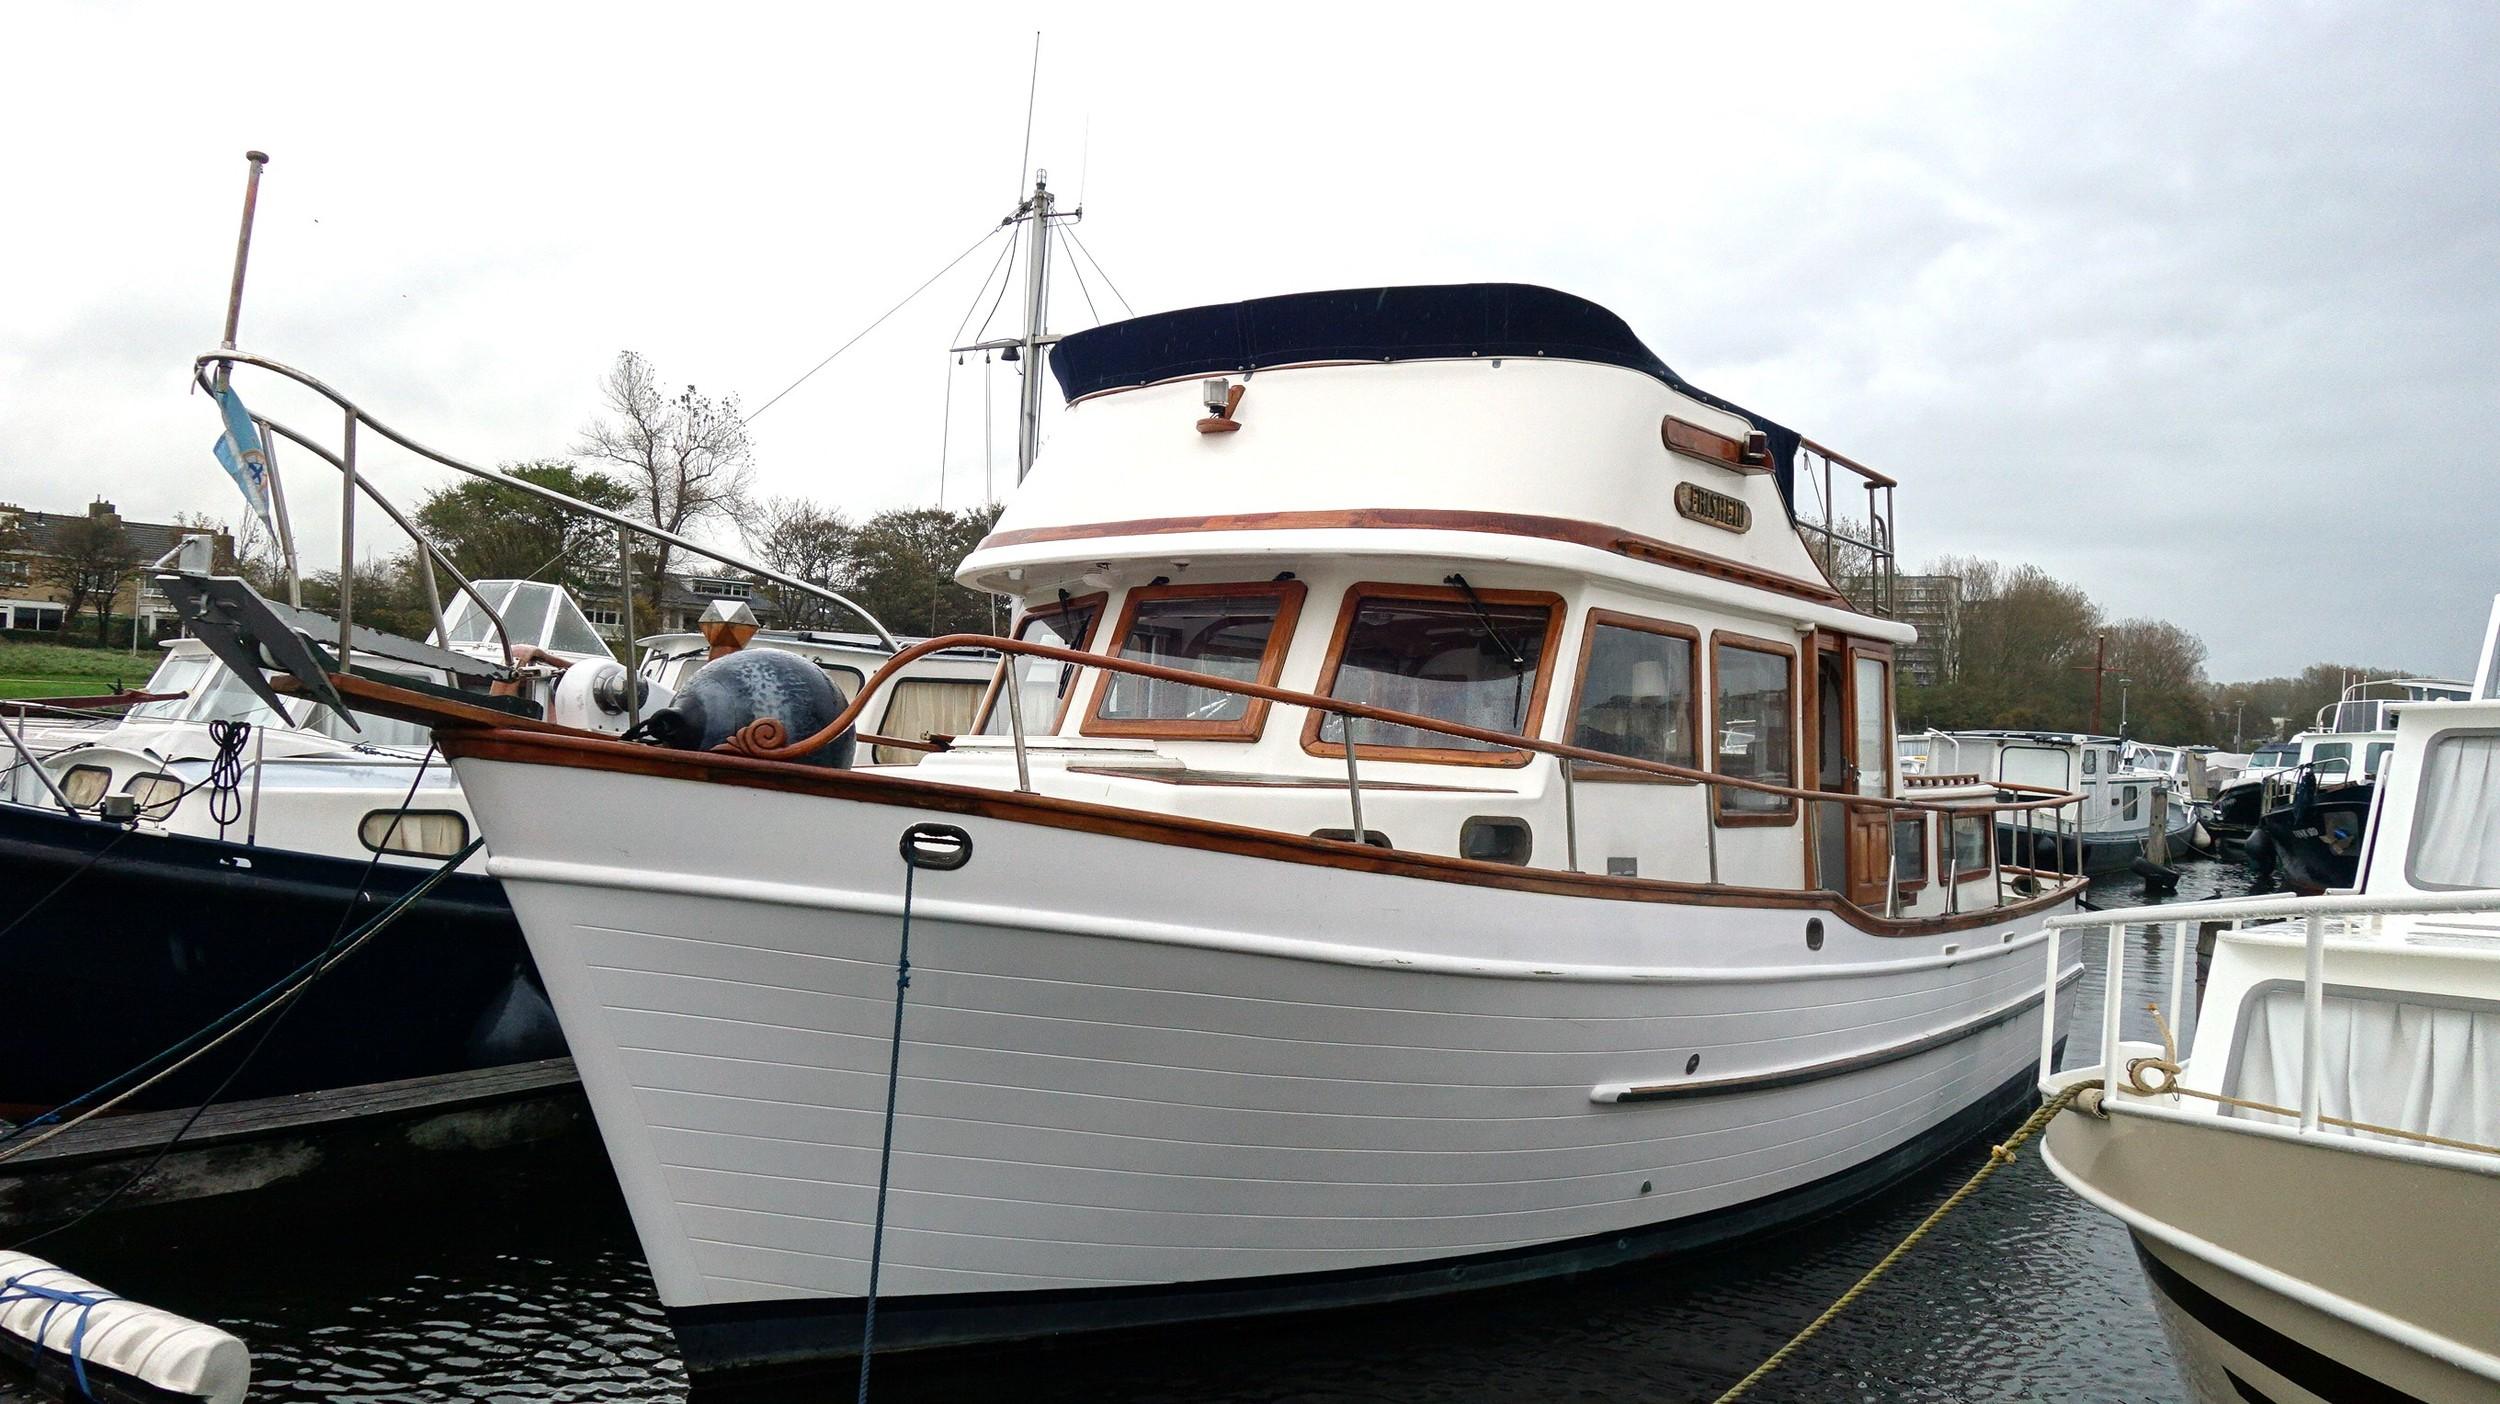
[681, 603]
[1932, 604]
[51, 562]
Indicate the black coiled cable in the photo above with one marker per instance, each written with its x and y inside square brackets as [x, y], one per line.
[225, 773]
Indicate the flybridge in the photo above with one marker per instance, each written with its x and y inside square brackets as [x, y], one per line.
[1495, 321]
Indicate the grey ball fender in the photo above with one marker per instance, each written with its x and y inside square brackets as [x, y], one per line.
[728, 693]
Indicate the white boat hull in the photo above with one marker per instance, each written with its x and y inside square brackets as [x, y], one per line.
[1142, 1080]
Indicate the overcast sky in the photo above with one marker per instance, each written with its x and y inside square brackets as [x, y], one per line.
[2197, 306]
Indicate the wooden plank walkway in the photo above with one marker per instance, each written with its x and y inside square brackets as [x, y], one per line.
[275, 1140]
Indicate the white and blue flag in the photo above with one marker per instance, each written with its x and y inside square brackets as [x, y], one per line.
[239, 450]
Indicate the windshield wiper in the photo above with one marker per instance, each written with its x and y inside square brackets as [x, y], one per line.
[1518, 660]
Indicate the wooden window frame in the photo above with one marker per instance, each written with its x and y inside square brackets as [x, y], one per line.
[1786, 818]
[1591, 771]
[1353, 599]
[1987, 821]
[1100, 600]
[1288, 595]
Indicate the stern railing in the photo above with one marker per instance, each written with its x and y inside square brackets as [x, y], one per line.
[2138, 1085]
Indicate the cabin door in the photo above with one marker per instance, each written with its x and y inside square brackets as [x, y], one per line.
[1853, 756]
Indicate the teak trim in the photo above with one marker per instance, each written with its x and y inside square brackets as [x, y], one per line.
[1357, 594]
[1787, 814]
[585, 752]
[764, 739]
[1685, 437]
[1288, 595]
[1597, 535]
[1098, 602]
[1597, 619]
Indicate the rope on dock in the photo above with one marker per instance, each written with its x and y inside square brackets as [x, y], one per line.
[1999, 1155]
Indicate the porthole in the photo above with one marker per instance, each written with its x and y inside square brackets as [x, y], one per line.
[1496, 839]
[1373, 837]
[84, 785]
[155, 794]
[415, 833]
[1814, 933]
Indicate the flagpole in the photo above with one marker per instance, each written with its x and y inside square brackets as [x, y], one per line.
[286, 529]
[242, 257]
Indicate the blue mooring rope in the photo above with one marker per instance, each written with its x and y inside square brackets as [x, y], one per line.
[885, 1149]
[18, 1289]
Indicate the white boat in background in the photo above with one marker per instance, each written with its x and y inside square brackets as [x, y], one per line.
[2303, 805]
[2312, 1177]
[1437, 828]
[2126, 813]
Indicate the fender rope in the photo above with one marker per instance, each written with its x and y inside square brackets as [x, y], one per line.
[18, 1289]
[2001, 1154]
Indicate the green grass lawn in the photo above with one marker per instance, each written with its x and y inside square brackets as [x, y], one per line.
[51, 670]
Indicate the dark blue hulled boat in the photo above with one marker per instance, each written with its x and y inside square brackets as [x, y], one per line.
[146, 938]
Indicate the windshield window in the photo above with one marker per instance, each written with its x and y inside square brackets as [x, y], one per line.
[1473, 663]
[1230, 633]
[180, 672]
[226, 698]
[1043, 683]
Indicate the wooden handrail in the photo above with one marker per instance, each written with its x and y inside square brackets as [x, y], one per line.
[763, 738]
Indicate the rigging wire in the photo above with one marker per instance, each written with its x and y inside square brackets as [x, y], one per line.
[1098, 269]
[1005, 251]
[1077, 270]
[872, 326]
[946, 425]
[1003, 284]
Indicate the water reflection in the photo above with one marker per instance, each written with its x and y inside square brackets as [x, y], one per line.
[522, 1280]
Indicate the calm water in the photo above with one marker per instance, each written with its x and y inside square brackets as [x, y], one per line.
[523, 1281]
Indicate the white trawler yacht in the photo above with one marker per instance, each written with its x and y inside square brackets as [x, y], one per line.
[1613, 932]
[2312, 1178]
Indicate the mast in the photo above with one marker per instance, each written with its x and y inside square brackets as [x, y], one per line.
[1036, 308]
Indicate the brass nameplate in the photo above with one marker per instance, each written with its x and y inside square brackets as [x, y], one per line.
[1717, 508]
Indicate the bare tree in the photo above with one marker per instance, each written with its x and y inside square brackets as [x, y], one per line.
[817, 544]
[686, 457]
[90, 557]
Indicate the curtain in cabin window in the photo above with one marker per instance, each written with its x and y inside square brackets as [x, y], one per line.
[2417, 1067]
[2456, 822]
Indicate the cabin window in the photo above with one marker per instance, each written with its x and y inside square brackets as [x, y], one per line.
[1469, 658]
[2130, 804]
[1971, 849]
[1490, 839]
[1237, 631]
[1636, 693]
[1045, 682]
[2091, 762]
[2332, 757]
[1909, 850]
[2378, 754]
[155, 793]
[1755, 723]
[83, 785]
[922, 708]
[414, 833]
[2456, 821]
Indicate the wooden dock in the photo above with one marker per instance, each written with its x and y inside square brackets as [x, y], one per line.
[274, 1141]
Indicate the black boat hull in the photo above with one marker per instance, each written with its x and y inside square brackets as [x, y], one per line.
[151, 937]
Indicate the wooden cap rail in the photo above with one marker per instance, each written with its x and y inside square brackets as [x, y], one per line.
[766, 738]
